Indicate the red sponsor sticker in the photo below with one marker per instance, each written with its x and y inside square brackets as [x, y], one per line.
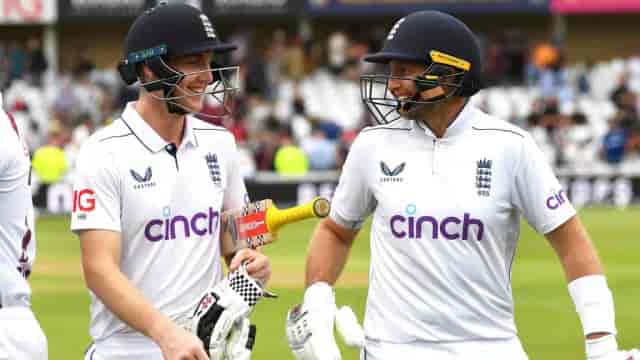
[84, 200]
[252, 225]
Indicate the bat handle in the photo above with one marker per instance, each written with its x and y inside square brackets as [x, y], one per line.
[318, 207]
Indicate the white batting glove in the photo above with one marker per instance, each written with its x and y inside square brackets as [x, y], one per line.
[241, 341]
[606, 348]
[310, 325]
[220, 308]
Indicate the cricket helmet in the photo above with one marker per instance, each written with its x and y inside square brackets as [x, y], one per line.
[173, 30]
[445, 46]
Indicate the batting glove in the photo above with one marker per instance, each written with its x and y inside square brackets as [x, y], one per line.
[606, 348]
[229, 302]
[310, 325]
[241, 341]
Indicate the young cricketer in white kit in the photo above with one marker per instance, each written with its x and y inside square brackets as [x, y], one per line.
[20, 334]
[446, 185]
[148, 196]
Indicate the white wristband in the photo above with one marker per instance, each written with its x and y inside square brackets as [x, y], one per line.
[601, 346]
[594, 304]
[319, 294]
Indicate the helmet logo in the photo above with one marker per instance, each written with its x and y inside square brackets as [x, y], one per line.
[446, 59]
[208, 28]
[394, 29]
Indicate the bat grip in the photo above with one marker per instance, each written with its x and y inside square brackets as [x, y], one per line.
[277, 217]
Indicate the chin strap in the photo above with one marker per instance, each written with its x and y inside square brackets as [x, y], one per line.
[173, 77]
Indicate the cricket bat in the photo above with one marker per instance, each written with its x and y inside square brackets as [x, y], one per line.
[257, 223]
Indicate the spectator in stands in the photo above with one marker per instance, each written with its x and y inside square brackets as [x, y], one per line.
[268, 142]
[621, 89]
[36, 62]
[17, 61]
[299, 121]
[494, 65]
[515, 55]
[583, 84]
[343, 146]
[290, 159]
[541, 136]
[542, 55]
[554, 81]
[49, 163]
[614, 142]
[320, 151]
[86, 95]
[578, 140]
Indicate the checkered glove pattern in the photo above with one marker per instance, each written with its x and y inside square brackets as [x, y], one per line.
[245, 286]
[228, 303]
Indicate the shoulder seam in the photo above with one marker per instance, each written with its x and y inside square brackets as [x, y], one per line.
[500, 130]
[383, 128]
[215, 129]
[114, 137]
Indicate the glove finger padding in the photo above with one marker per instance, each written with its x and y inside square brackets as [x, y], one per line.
[349, 328]
[310, 334]
[229, 302]
[241, 341]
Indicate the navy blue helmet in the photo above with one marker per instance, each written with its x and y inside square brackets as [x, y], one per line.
[450, 54]
[170, 30]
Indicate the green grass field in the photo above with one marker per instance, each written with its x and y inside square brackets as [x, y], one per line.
[546, 318]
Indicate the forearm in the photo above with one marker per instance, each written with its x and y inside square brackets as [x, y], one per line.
[123, 299]
[587, 286]
[328, 252]
[575, 250]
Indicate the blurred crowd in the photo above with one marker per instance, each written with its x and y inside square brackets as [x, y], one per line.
[299, 107]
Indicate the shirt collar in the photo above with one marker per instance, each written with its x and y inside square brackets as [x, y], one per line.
[461, 123]
[148, 136]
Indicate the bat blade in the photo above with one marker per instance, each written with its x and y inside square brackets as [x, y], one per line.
[257, 223]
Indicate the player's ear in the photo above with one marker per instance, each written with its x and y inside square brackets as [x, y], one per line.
[145, 73]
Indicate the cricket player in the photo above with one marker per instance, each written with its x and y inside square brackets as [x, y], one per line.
[148, 196]
[446, 185]
[20, 334]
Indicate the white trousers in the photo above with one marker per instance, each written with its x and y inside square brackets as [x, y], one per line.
[21, 337]
[473, 350]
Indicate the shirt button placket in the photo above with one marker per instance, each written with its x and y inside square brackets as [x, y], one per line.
[436, 146]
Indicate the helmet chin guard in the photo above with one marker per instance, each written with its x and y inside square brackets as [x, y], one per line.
[438, 82]
[222, 88]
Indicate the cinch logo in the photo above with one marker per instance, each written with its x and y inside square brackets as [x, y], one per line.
[556, 200]
[84, 200]
[451, 227]
[200, 224]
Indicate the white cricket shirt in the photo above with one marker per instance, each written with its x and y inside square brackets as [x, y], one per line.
[17, 237]
[166, 208]
[446, 220]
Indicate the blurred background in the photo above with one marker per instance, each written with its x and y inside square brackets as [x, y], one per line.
[568, 71]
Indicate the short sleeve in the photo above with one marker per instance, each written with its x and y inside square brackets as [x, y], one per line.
[353, 200]
[537, 193]
[236, 193]
[96, 191]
